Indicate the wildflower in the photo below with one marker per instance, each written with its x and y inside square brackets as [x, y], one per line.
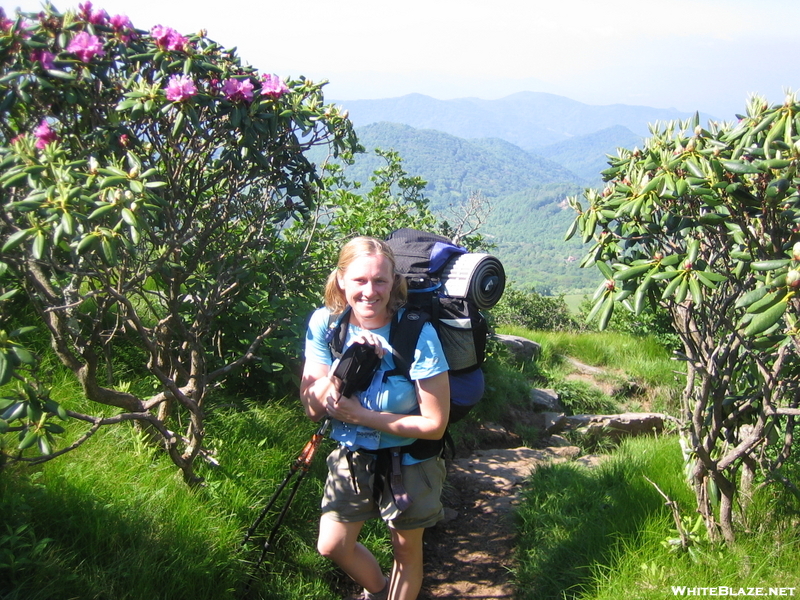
[95, 17]
[86, 46]
[273, 86]
[123, 27]
[44, 135]
[44, 57]
[167, 38]
[235, 89]
[5, 23]
[180, 88]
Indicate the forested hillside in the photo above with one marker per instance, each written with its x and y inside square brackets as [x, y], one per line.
[586, 155]
[526, 191]
[455, 167]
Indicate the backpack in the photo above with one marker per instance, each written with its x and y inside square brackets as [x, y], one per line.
[429, 262]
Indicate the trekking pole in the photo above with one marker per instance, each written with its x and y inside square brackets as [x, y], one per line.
[301, 464]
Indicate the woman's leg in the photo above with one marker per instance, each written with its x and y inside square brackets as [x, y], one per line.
[407, 572]
[339, 542]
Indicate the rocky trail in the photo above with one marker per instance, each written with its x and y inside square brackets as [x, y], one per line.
[471, 554]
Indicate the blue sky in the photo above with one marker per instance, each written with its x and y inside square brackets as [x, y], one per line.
[706, 55]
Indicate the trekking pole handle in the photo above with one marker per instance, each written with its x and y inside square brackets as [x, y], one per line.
[307, 454]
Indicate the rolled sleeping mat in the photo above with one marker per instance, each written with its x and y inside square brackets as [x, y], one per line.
[477, 276]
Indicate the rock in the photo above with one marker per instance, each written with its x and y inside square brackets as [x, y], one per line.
[493, 435]
[558, 441]
[521, 348]
[617, 426]
[546, 400]
[554, 422]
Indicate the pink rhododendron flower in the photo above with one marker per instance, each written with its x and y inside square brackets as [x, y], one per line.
[235, 89]
[95, 17]
[180, 88]
[168, 39]
[44, 57]
[86, 46]
[273, 86]
[123, 27]
[44, 135]
[5, 23]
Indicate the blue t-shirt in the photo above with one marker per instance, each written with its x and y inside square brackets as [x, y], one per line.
[395, 395]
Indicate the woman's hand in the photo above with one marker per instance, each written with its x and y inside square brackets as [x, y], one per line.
[370, 339]
[343, 408]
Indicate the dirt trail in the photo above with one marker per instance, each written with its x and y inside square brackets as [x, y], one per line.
[471, 554]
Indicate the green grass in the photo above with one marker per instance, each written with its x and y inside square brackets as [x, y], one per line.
[599, 534]
[624, 358]
[573, 302]
[114, 519]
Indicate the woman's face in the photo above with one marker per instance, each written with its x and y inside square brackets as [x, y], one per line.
[367, 284]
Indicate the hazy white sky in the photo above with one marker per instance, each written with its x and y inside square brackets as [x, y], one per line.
[706, 55]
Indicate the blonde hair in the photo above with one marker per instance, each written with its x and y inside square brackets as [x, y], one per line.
[335, 300]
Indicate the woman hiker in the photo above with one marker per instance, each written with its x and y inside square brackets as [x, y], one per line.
[393, 413]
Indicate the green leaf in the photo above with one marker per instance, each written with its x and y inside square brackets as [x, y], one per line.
[29, 439]
[752, 296]
[39, 246]
[696, 291]
[16, 239]
[769, 265]
[739, 167]
[6, 369]
[631, 272]
[22, 354]
[763, 321]
[605, 315]
[605, 270]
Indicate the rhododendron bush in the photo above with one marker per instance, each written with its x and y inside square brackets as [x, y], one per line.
[704, 223]
[147, 178]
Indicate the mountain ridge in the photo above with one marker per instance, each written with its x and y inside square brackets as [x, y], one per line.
[529, 120]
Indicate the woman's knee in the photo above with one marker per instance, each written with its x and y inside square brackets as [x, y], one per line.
[407, 545]
[337, 540]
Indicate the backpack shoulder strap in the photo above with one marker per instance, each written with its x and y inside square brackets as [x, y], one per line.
[403, 335]
[336, 335]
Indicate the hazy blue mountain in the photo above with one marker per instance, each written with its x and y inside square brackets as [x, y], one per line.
[454, 167]
[586, 155]
[529, 120]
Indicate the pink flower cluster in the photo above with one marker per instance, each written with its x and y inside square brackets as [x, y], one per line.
[180, 88]
[273, 86]
[5, 23]
[168, 39]
[44, 135]
[238, 89]
[86, 46]
[122, 25]
[43, 56]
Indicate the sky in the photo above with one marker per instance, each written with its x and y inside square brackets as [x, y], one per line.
[692, 55]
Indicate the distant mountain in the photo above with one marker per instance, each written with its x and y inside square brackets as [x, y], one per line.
[586, 155]
[454, 167]
[529, 120]
[529, 217]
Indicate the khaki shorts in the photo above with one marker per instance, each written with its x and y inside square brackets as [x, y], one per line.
[342, 502]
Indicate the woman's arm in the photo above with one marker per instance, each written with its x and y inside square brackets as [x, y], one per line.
[433, 394]
[315, 387]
